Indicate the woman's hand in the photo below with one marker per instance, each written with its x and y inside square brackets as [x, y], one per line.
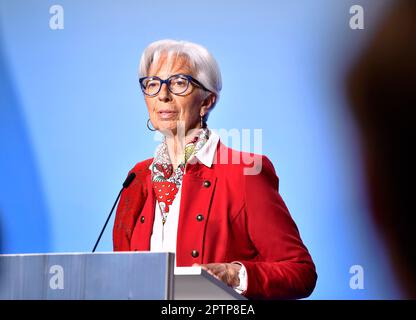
[226, 272]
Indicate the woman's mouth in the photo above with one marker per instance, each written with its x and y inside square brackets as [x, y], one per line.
[166, 114]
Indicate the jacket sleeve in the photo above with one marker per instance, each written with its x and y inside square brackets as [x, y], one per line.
[283, 268]
[130, 205]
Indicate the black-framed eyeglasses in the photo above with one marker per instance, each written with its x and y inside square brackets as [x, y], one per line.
[177, 84]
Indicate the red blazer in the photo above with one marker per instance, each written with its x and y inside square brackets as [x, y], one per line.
[225, 216]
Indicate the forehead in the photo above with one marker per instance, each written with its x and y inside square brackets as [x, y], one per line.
[166, 66]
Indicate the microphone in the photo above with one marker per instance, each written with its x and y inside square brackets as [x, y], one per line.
[126, 184]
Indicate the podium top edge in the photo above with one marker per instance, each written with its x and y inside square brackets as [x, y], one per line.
[81, 253]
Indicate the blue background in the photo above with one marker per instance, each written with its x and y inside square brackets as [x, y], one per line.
[73, 120]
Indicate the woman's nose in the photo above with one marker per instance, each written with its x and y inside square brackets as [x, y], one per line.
[164, 93]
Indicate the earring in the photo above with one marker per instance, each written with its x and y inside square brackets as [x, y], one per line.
[148, 127]
[202, 121]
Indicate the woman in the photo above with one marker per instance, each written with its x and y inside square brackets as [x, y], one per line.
[199, 198]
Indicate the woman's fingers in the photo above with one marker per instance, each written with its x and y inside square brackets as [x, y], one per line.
[226, 272]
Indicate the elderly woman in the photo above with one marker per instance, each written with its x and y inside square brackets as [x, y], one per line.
[197, 197]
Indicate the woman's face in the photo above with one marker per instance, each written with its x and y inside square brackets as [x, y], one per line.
[167, 110]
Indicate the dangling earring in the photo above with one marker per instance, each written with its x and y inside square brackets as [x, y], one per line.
[202, 121]
[148, 127]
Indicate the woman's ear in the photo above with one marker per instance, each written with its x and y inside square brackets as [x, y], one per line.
[208, 102]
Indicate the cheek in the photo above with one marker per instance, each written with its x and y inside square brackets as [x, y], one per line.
[190, 110]
[150, 104]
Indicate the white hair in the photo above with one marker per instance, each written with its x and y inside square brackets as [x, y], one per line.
[200, 60]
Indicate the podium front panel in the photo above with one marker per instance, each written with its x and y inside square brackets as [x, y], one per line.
[121, 275]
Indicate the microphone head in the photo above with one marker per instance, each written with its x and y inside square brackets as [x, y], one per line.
[129, 180]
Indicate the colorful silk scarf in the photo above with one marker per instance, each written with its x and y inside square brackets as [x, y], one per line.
[166, 181]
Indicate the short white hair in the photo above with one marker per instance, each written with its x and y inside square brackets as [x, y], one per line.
[200, 59]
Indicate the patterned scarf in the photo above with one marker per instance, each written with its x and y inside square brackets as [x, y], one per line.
[165, 180]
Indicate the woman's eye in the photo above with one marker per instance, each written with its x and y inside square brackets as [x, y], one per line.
[179, 83]
[152, 84]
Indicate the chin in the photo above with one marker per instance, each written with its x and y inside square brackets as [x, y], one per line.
[167, 126]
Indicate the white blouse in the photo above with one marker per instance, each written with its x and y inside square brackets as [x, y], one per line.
[164, 236]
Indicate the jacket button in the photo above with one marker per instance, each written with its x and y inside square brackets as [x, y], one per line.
[195, 253]
[207, 184]
[199, 217]
[142, 219]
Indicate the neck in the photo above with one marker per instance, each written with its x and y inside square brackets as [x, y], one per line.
[176, 145]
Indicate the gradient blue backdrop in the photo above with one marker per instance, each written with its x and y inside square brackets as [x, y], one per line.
[73, 120]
